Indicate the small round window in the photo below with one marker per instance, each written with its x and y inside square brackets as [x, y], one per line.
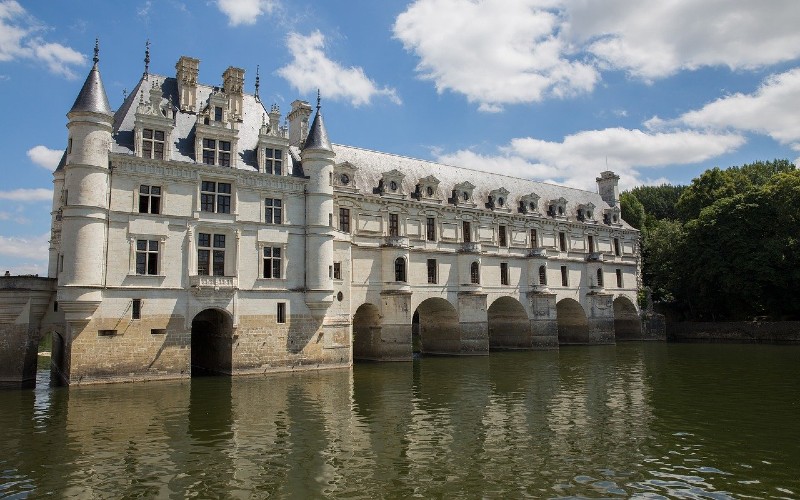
[429, 191]
[345, 179]
[340, 296]
[393, 186]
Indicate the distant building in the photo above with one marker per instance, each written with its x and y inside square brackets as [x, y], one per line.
[192, 233]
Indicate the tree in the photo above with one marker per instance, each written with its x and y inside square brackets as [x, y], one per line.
[632, 210]
[659, 201]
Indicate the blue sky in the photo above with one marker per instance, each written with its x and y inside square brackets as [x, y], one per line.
[554, 90]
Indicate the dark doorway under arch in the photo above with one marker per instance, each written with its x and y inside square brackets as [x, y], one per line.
[627, 325]
[435, 326]
[573, 327]
[509, 326]
[212, 344]
[366, 333]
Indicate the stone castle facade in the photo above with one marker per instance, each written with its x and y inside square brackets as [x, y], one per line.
[192, 233]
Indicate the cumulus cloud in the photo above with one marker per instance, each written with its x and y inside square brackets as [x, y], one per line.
[500, 52]
[578, 158]
[27, 247]
[311, 69]
[20, 39]
[35, 194]
[245, 11]
[45, 157]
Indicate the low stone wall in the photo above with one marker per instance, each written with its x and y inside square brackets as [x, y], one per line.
[751, 332]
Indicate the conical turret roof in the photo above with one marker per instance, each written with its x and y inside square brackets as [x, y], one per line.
[92, 97]
[317, 135]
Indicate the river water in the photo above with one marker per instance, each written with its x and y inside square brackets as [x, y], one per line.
[633, 420]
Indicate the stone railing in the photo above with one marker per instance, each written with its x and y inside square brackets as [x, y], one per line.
[395, 241]
[213, 282]
[471, 247]
[537, 252]
[595, 257]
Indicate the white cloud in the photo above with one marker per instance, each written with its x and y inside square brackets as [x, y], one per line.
[577, 160]
[245, 11]
[20, 39]
[311, 69]
[27, 247]
[36, 194]
[768, 110]
[500, 52]
[45, 157]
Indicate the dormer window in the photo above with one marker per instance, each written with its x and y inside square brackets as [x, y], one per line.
[462, 194]
[217, 152]
[465, 196]
[153, 144]
[557, 208]
[429, 191]
[498, 199]
[344, 176]
[427, 187]
[392, 185]
[344, 179]
[217, 113]
[586, 212]
[273, 161]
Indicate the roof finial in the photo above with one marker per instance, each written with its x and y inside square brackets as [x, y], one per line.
[257, 80]
[146, 59]
[318, 101]
[96, 57]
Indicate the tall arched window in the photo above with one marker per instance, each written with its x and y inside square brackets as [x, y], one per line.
[475, 273]
[542, 275]
[399, 269]
[600, 278]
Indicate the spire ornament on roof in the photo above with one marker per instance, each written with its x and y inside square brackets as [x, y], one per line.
[96, 57]
[146, 60]
[319, 99]
[258, 80]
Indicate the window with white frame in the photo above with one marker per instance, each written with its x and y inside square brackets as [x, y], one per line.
[211, 254]
[149, 199]
[271, 262]
[153, 144]
[215, 197]
[147, 257]
[273, 161]
[217, 152]
[273, 211]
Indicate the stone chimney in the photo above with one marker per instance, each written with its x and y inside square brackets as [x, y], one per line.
[608, 186]
[233, 86]
[187, 69]
[298, 123]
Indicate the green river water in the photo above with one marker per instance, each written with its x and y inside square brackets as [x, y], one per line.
[636, 420]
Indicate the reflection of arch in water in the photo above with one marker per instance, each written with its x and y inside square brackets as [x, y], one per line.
[573, 326]
[212, 343]
[366, 332]
[627, 325]
[435, 328]
[509, 326]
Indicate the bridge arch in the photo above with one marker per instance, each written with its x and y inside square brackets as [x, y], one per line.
[573, 326]
[509, 325]
[212, 343]
[366, 332]
[627, 325]
[435, 328]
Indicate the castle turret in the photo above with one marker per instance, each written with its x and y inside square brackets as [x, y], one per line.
[318, 157]
[86, 187]
[608, 186]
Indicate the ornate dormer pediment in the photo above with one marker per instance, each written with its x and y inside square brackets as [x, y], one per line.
[586, 212]
[344, 177]
[498, 200]
[529, 204]
[612, 216]
[557, 208]
[462, 194]
[428, 189]
[391, 184]
[273, 147]
[154, 122]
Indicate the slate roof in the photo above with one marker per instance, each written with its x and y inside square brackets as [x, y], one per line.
[317, 135]
[92, 97]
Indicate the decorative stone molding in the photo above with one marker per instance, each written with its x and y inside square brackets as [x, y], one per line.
[344, 177]
[391, 184]
[529, 204]
[557, 208]
[428, 189]
[498, 200]
[586, 212]
[462, 194]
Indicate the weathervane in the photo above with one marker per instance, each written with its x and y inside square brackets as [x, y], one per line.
[318, 101]
[96, 57]
[257, 80]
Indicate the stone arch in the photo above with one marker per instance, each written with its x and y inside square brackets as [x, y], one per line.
[366, 332]
[627, 325]
[212, 343]
[435, 328]
[509, 325]
[573, 326]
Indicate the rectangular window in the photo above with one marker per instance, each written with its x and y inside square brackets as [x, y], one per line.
[534, 239]
[281, 316]
[564, 276]
[432, 271]
[136, 309]
[562, 242]
[504, 273]
[224, 154]
[617, 251]
[501, 236]
[215, 197]
[466, 230]
[619, 278]
[394, 225]
[217, 152]
[274, 161]
[153, 144]
[337, 270]
[211, 259]
[273, 211]
[591, 243]
[430, 229]
[147, 257]
[149, 199]
[217, 114]
[272, 263]
[209, 151]
[344, 220]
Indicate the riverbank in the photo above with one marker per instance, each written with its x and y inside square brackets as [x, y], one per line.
[751, 332]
